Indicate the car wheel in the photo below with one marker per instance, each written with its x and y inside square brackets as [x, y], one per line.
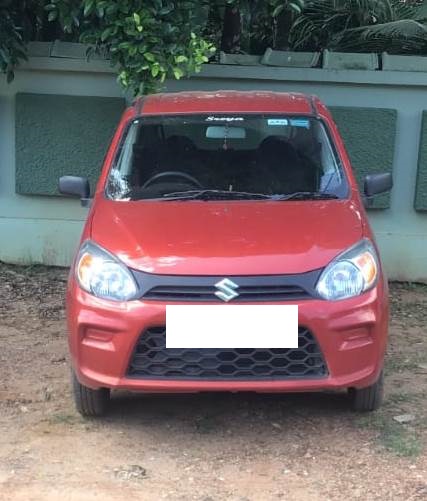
[89, 402]
[370, 398]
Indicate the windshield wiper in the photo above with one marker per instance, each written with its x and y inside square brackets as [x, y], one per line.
[305, 195]
[243, 195]
[213, 195]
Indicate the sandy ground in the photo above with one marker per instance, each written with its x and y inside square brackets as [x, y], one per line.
[205, 447]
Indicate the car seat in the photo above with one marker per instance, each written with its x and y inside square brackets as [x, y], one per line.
[280, 168]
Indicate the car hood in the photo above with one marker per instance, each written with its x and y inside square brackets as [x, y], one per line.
[226, 238]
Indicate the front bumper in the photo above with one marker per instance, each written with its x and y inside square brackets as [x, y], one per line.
[352, 335]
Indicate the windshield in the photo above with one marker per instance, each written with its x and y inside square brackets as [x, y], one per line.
[226, 157]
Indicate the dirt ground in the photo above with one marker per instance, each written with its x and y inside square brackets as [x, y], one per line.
[203, 447]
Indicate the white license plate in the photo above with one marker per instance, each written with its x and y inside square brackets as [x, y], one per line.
[232, 326]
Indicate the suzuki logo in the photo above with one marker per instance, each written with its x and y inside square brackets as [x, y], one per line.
[226, 290]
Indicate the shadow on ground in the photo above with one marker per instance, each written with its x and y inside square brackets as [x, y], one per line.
[216, 411]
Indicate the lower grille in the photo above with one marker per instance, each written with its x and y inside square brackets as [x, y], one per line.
[151, 360]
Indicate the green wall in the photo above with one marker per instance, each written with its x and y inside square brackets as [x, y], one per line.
[421, 191]
[369, 135]
[57, 135]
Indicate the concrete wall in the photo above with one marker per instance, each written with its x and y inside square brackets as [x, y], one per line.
[384, 108]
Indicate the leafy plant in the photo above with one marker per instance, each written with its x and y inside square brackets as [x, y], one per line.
[274, 20]
[284, 14]
[151, 40]
[250, 26]
[146, 40]
[20, 21]
[11, 42]
[361, 26]
[405, 36]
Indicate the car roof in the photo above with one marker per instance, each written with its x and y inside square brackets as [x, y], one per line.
[225, 102]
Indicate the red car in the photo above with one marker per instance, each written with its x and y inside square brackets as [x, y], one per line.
[238, 215]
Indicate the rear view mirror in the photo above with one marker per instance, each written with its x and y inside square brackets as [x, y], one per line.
[76, 187]
[377, 183]
[220, 132]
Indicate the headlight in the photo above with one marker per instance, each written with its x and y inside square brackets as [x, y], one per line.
[351, 273]
[103, 275]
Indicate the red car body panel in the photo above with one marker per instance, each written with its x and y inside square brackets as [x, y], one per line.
[352, 334]
[227, 102]
[256, 233]
[225, 239]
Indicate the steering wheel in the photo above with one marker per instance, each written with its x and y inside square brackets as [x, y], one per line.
[172, 173]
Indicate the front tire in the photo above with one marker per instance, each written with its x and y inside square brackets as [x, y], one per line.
[89, 402]
[370, 398]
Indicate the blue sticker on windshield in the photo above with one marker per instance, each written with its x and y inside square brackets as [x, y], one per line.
[300, 122]
[277, 121]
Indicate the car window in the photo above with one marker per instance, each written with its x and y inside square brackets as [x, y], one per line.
[263, 154]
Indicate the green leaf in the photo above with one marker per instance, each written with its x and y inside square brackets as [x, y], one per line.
[107, 33]
[166, 10]
[136, 18]
[278, 10]
[89, 7]
[154, 71]
[181, 59]
[149, 56]
[178, 73]
[295, 7]
[130, 31]
[5, 56]
[111, 9]
[52, 15]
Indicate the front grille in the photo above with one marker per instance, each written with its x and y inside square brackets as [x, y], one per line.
[151, 360]
[206, 293]
[249, 288]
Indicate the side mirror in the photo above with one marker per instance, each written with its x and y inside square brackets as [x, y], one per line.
[76, 187]
[377, 183]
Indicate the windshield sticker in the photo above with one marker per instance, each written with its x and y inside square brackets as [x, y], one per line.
[300, 122]
[224, 119]
[277, 121]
